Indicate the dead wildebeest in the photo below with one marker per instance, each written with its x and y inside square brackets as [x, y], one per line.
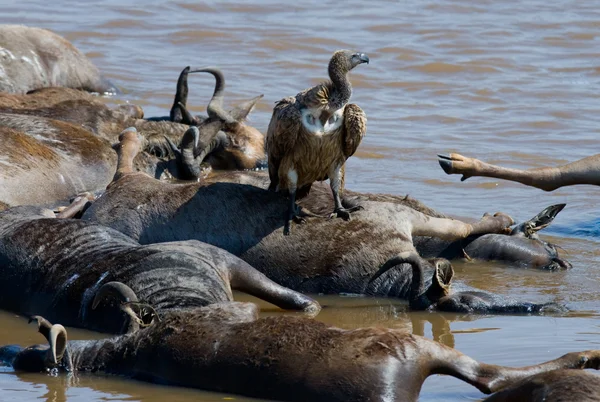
[49, 161]
[55, 266]
[560, 385]
[522, 247]
[236, 146]
[327, 256]
[45, 161]
[437, 295]
[34, 58]
[583, 171]
[227, 348]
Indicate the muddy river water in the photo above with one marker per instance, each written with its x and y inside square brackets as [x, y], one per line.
[512, 82]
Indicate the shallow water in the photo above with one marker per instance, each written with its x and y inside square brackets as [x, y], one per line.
[512, 83]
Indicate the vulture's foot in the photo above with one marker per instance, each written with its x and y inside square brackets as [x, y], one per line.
[344, 213]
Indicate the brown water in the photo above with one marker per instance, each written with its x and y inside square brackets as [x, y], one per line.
[511, 82]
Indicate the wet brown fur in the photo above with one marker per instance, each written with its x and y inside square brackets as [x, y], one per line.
[50, 160]
[43, 97]
[244, 149]
[553, 386]
[226, 347]
[37, 58]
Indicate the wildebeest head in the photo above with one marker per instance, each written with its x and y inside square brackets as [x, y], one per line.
[39, 358]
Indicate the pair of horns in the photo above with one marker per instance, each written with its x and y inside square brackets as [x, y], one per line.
[214, 109]
[141, 314]
[56, 335]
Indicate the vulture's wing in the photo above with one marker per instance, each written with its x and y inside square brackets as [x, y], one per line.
[355, 128]
[282, 133]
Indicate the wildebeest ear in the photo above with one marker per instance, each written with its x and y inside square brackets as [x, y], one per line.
[442, 277]
[443, 272]
[241, 111]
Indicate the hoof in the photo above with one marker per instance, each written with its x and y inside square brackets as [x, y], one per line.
[445, 163]
[456, 164]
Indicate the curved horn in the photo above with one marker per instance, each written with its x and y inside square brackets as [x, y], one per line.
[115, 289]
[417, 285]
[402, 258]
[181, 94]
[58, 342]
[127, 299]
[190, 168]
[190, 138]
[215, 106]
[219, 140]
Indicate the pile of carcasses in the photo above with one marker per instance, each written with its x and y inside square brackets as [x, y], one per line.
[95, 233]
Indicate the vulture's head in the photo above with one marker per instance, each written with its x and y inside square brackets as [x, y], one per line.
[346, 60]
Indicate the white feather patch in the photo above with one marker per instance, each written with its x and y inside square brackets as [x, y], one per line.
[310, 121]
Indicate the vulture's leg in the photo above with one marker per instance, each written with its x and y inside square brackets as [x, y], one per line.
[336, 176]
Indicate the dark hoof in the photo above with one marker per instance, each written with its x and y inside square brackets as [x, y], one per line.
[446, 163]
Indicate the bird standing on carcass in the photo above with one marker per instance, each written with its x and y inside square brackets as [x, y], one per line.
[311, 135]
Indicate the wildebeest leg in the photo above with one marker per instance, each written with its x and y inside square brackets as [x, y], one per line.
[490, 378]
[583, 171]
[540, 221]
[335, 181]
[77, 206]
[127, 150]
[246, 278]
[453, 229]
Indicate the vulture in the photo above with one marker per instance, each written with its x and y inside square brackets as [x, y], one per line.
[311, 135]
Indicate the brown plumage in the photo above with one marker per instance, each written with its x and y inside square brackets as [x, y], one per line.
[311, 135]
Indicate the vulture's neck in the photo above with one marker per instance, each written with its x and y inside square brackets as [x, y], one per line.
[342, 89]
